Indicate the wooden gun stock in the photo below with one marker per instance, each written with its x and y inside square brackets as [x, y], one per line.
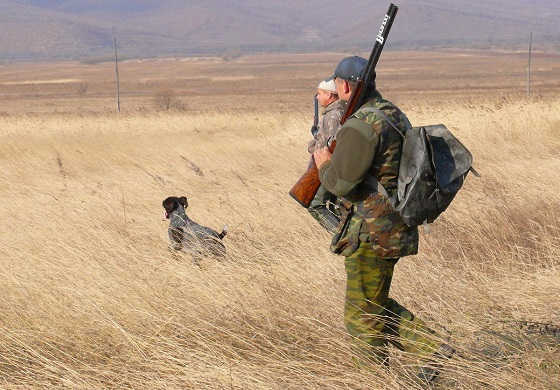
[306, 187]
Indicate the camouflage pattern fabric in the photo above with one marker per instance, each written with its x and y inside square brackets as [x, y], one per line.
[347, 237]
[386, 162]
[379, 143]
[390, 236]
[372, 317]
[328, 125]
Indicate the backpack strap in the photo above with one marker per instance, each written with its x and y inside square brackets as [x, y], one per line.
[383, 116]
[371, 181]
[474, 172]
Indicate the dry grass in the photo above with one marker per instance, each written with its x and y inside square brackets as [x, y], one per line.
[92, 297]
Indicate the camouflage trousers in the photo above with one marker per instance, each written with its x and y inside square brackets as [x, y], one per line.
[372, 317]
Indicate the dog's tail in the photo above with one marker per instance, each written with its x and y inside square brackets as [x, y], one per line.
[224, 232]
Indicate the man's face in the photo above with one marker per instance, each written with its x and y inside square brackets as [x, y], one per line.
[325, 97]
[343, 89]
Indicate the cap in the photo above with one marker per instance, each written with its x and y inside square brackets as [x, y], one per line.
[328, 85]
[350, 68]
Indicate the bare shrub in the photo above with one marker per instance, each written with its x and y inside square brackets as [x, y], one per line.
[166, 100]
[82, 88]
[231, 54]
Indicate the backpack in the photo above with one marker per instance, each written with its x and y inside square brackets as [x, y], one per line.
[433, 168]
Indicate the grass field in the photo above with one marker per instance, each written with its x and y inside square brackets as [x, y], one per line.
[276, 83]
[93, 298]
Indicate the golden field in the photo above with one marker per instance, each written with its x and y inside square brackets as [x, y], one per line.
[275, 82]
[93, 298]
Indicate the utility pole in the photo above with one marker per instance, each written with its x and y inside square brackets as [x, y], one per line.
[117, 72]
[529, 65]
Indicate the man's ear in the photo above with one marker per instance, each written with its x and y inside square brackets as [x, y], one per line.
[183, 200]
[346, 86]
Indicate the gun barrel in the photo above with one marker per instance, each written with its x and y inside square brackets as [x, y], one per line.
[315, 128]
[363, 86]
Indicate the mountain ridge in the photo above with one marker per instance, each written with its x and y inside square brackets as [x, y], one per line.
[76, 29]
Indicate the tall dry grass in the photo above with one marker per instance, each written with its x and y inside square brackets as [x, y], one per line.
[92, 297]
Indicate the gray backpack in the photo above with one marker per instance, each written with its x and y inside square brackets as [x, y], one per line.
[433, 167]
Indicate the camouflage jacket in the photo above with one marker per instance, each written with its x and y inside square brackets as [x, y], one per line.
[369, 148]
[329, 125]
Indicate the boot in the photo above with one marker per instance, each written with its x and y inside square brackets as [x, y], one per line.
[429, 373]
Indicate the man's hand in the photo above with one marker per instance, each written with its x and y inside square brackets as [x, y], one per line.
[321, 156]
[311, 145]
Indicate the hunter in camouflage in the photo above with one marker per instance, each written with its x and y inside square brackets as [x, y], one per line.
[333, 109]
[321, 207]
[372, 235]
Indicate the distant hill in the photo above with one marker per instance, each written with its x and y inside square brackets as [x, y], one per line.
[54, 29]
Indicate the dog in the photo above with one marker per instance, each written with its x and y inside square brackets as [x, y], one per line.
[184, 233]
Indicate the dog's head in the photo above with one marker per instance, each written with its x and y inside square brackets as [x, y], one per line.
[175, 204]
[175, 212]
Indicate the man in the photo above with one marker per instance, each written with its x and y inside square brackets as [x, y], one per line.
[333, 109]
[363, 167]
[321, 207]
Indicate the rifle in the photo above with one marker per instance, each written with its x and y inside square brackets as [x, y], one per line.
[315, 128]
[306, 187]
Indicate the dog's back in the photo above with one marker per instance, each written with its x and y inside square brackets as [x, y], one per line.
[184, 233]
[203, 239]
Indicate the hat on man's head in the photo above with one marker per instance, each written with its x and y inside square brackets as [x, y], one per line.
[350, 68]
[328, 85]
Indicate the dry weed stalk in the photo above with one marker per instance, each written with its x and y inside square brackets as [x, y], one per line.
[88, 304]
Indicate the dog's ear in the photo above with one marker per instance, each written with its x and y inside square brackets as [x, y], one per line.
[183, 200]
[169, 204]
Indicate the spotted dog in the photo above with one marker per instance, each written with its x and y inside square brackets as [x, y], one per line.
[186, 234]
